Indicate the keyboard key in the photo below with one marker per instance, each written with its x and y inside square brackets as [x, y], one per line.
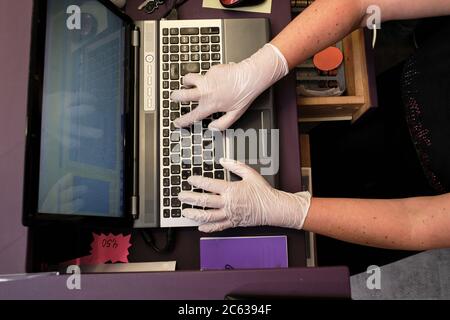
[184, 57]
[208, 155]
[165, 58]
[186, 186]
[176, 203]
[208, 175]
[175, 137]
[165, 85]
[165, 67]
[166, 142]
[196, 150]
[215, 39]
[174, 49]
[211, 30]
[207, 144]
[189, 68]
[165, 32]
[174, 116]
[166, 192]
[185, 110]
[174, 106]
[166, 213]
[186, 164]
[186, 206]
[184, 48]
[197, 160]
[184, 40]
[165, 104]
[205, 48]
[166, 152]
[215, 56]
[165, 40]
[166, 172]
[165, 49]
[186, 142]
[197, 139]
[166, 122]
[166, 114]
[215, 48]
[166, 182]
[218, 166]
[175, 191]
[166, 131]
[195, 39]
[204, 39]
[197, 171]
[166, 162]
[189, 31]
[219, 175]
[195, 57]
[174, 58]
[185, 174]
[166, 202]
[174, 31]
[175, 169]
[186, 153]
[174, 85]
[175, 148]
[166, 76]
[206, 65]
[175, 180]
[206, 56]
[176, 213]
[175, 158]
[208, 166]
[195, 48]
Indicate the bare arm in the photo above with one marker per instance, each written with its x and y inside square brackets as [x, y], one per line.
[327, 21]
[408, 224]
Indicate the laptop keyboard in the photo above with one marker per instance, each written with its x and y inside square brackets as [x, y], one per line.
[189, 151]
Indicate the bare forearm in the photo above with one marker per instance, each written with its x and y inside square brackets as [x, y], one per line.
[323, 23]
[408, 224]
[326, 22]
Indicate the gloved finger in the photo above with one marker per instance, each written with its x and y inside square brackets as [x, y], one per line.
[238, 168]
[196, 115]
[185, 95]
[204, 216]
[226, 120]
[216, 226]
[208, 184]
[201, 199]
[192, 80]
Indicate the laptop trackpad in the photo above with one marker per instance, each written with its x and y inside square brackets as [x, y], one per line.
[251, 142]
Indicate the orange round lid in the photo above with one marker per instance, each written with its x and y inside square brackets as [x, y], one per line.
[328, 59]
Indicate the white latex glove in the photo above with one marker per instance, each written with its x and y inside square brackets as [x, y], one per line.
[231, 88]
[249, 202]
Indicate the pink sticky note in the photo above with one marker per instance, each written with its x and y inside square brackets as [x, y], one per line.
[110, 248]
[105, 248]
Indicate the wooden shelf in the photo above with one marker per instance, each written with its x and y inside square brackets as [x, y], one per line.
[357, 99]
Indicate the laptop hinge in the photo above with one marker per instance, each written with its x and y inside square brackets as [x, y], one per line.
[135, 38]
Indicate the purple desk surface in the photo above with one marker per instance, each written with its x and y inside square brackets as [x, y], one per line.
[15, 24]
[303, 282]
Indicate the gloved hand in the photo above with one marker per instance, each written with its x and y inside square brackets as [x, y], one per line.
[249, 202]
[231, 88]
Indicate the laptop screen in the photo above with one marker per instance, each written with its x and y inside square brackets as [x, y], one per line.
[82, 134]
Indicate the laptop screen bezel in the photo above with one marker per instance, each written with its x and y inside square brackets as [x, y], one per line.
[31, 214]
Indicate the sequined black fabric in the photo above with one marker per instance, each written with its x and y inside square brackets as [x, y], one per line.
[426, 95]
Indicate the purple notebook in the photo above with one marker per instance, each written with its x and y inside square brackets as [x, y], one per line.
[243, 253]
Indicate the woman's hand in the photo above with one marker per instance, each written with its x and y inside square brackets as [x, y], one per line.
[230, 88]
[249, 202]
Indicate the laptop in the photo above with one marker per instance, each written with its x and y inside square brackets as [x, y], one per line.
[102, 148]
